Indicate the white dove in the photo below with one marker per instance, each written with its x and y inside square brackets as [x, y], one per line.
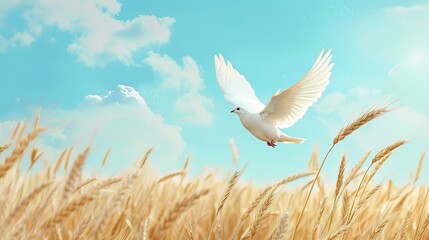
[285, 107]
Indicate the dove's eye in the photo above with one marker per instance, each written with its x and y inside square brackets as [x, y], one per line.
[238, 109]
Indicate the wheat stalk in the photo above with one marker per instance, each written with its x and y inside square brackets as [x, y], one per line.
[145, 157]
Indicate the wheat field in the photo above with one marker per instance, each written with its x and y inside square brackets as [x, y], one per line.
[43, 204]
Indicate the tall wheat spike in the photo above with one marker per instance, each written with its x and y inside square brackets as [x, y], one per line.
[74, 174]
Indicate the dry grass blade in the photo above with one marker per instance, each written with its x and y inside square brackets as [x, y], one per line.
[106, 156]
[185, 166]
[419, 167]
[359, 122]
[145, 157]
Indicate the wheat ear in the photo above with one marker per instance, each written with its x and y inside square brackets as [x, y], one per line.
[260, 217]
[18, 152]
[226, 194]
[22, 206]
[280, 232]
[359, 122]
[74, 174]
[177, 210]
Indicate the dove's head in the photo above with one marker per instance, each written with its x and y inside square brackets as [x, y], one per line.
[238, 110]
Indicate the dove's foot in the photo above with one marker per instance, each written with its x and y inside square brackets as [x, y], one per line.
[272, 144]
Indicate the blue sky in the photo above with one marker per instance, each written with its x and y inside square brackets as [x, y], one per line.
[135, 74]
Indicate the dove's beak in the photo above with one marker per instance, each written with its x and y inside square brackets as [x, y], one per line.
[232, 110]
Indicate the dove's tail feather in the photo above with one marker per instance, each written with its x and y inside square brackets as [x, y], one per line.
[288, 139]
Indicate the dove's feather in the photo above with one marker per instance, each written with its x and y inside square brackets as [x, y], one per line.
[288, 106]
[236, 88]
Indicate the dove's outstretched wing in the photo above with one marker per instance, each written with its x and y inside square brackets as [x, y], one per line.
[235, 87]
[288, 106]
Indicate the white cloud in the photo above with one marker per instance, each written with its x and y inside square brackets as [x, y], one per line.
[186, 78]
[100, 36]
[196, 108]
[120, 120]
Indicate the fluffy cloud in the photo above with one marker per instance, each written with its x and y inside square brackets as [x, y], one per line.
[120, 120]
[100, 36]
[196, 108]
[186, 78]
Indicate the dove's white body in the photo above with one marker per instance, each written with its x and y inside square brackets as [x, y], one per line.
[285, 107]
[263, 129]
[259, 127]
